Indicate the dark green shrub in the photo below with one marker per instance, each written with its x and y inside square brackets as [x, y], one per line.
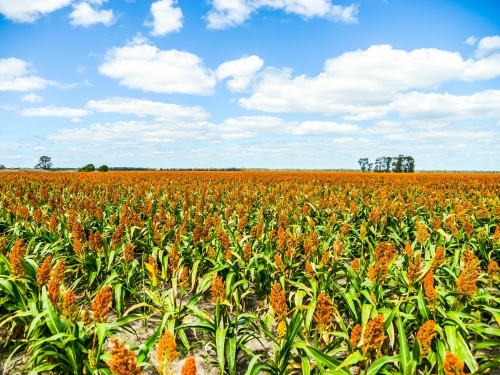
[87, 168]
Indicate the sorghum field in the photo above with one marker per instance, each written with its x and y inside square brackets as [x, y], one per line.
[278, 273]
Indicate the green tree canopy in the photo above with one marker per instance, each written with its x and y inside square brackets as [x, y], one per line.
[45, 162]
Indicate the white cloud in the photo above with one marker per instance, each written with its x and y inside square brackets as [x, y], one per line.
[236, 142]
[481, 105]
[53, 111]
[242, 72]
[415, 105]
[227, 13]
[166, 17]
[482, 69]
[76, 120]
[84, 15]
[32, 98]
[201, 144]
[140, 65]
[487, 45]
[323, 128]
[15, 145]
[15, 76]
[80, 69]
[251, 126]
[147, 108]
[243, 127]
[361, 84]
[449, 137]
[471, 40]
[29, 10]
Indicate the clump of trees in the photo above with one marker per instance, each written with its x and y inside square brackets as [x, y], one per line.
[91, 168]
[44, 162]
[2, 167]
[87, 168]
[396, 164]
[365, 165]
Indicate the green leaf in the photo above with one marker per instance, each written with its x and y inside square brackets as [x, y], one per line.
[352, 360]
[365, 313]
[34, 324]
[322, 358]
[451, 337]
[306, 365]
[445, 235]
[350, 303]
[231, 354]
[376, 366]
[144, 351]
[52, 319]
[100, 331]
[293, 329]
[253, 367]
[43, 368]
[465, 353]
[416, 351]
[118, 298]
[422, 307]
[404, 350]
[220, 341]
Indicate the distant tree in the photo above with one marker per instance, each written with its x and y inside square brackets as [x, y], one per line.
[396, 164]
[410, 164]
[45, 162]
[2, 167]
[388, 163]
[363, 164]
[87, 168]
[380, 164]
[103, 168]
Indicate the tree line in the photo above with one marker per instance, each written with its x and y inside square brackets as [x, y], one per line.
[396, 164]
[45, 162]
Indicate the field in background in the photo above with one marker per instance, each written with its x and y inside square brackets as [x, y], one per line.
[250, 272]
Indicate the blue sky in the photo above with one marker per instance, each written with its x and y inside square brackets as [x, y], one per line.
[250, 83]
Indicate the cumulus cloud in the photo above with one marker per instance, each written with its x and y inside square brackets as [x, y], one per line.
[32, 98]
[160, 131]
[242, 72]
[167, 18]
[435, 145]
[252, 126]
[147, 108]
[449, 138]
[140, 65]
[85, 15]
[53, 111]
[471, 40]
[29, 10]
[481, 105]
[228, 13]
[362, 84]
[487, 45]
[15, 76]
